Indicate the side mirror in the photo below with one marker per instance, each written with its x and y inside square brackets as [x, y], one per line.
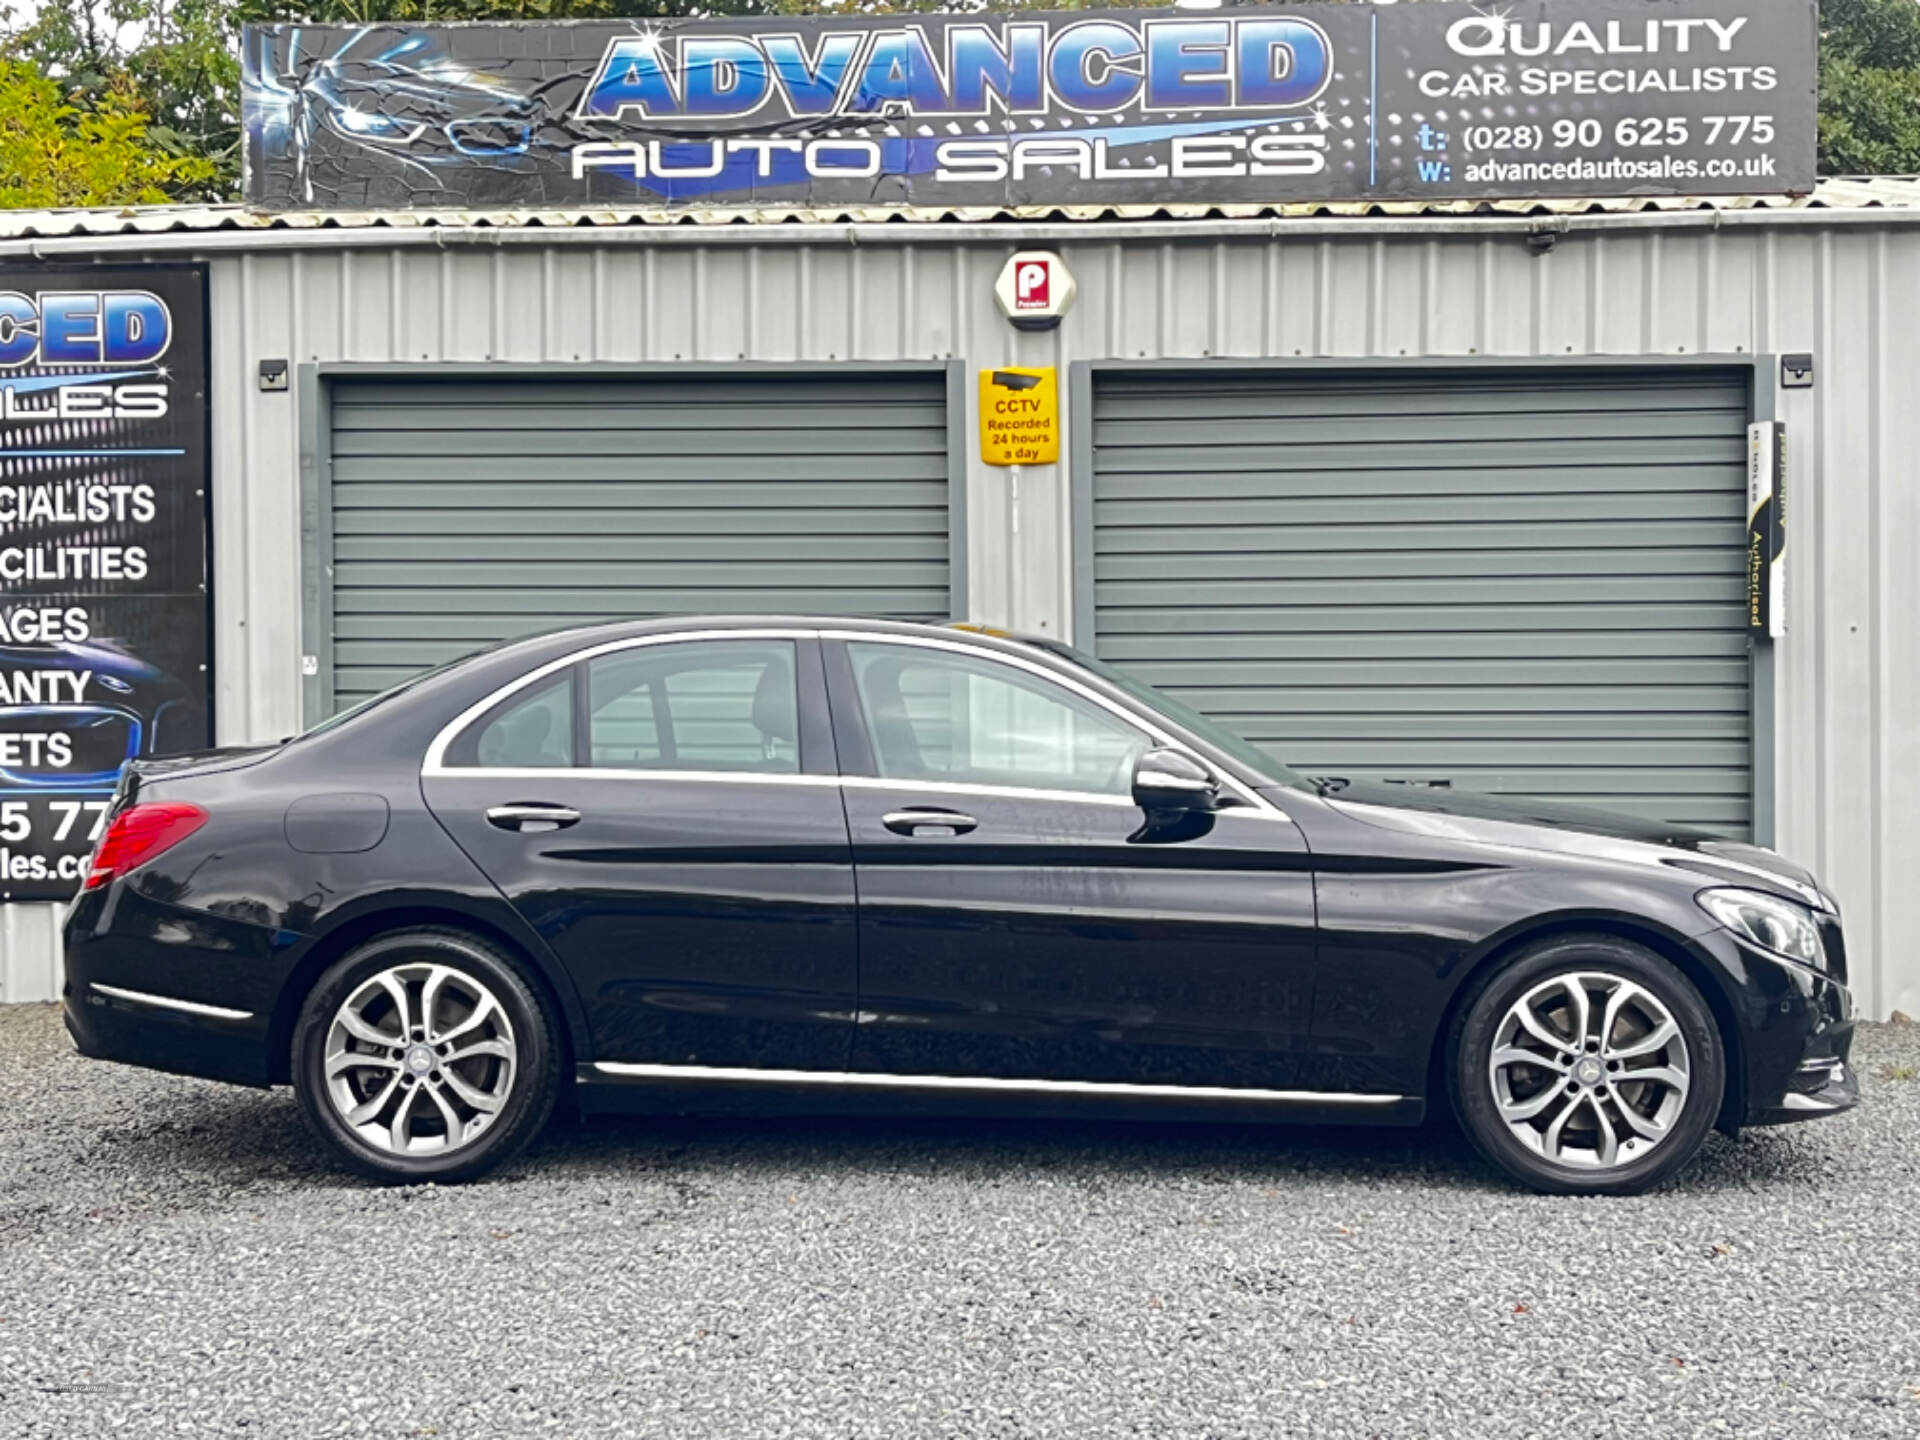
[1168, 779]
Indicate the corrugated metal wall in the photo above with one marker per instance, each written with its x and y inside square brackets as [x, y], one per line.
[1530, 582]
[1848, 677]
[470, 511]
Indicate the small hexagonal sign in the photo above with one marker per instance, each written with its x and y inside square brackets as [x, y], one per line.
[1035, 289]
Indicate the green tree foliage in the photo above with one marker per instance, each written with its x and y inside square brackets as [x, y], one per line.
[167, 64]
[55, 153]
[1870, 87]
[162, 76]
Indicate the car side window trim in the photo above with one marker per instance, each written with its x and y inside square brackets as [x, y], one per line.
[966, 787]
[816, 757]
[605, 772]
[834, 745]
[858, 765]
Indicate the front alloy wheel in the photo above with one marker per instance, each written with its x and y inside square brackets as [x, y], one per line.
[1589, 1070]
[1587, 1065]
[427, 1054]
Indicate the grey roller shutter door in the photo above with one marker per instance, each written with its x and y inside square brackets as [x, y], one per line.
[1525, 582]
[467, 511]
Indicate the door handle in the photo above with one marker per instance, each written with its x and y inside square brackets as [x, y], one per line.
[911, 822]
[532, 816]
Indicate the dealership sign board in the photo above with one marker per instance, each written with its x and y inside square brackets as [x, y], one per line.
[103, 550]
[1248, 105]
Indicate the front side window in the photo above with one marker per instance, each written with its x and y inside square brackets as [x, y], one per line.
[1181, 714]
[701, 705]
[940, 715]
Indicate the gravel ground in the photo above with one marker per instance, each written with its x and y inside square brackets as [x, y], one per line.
[179, 1258]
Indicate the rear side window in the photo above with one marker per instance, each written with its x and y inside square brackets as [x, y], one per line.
[728, 705]
[527, 732]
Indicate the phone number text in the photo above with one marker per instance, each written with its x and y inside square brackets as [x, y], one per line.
[1628, 133]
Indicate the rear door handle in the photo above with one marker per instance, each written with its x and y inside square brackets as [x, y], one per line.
[532, 816]
[913, 821]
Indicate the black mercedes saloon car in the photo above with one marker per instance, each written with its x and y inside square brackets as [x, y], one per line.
[750, 862]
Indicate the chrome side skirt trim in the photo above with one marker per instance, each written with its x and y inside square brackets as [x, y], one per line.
[856, 1080]
[167, 1002]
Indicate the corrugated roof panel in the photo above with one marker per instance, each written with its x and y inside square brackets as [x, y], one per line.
[1869, 192]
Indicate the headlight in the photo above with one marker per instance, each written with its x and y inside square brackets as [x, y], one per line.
[371, 125]
[1769, 922]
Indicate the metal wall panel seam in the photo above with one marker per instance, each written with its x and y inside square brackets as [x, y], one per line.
[1877, 610]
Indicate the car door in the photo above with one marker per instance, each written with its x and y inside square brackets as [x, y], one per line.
[1022, 918]
[665, 813]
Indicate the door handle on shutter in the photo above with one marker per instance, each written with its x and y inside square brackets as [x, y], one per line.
[532, 816]
[910, 822]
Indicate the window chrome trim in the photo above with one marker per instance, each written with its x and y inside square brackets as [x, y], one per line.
[862, 1080]
[1134, 719]
[1024, 792]
[964, 787]
[435, 763]
[851, 782]
[167, 1002]
[595, 772]
[435, 766]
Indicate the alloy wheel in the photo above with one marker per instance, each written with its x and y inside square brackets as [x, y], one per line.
[1589, 1070]
[420, 1060]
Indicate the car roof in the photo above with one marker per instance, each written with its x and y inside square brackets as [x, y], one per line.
[988, 637]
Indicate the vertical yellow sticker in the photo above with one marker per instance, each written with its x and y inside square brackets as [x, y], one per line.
[1019, 417]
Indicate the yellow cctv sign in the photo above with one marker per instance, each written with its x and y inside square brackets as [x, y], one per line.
[1019, 417]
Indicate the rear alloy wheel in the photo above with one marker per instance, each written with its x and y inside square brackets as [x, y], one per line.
[1589, 1065]
[424, 1055]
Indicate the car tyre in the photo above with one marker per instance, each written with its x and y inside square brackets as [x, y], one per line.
[444, 1024]
[1561, 1030]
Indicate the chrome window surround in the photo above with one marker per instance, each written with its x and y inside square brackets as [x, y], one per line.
[435, 765]
[436, 761]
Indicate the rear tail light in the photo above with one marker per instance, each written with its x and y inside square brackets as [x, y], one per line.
[138, 834]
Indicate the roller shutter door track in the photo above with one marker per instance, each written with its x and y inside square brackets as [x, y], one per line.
[1516, 581]
[468, 511]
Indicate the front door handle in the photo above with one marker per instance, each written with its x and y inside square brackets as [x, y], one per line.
[532, 816]
[927, 817]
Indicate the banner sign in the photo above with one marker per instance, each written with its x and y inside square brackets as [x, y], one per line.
[1254, 104]
[1766, 529]
[103, 550]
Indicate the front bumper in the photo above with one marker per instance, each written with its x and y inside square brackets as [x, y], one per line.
[1795, 1038]
[1821, 1086]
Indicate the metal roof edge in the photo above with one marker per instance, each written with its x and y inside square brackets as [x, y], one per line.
[893, 232]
